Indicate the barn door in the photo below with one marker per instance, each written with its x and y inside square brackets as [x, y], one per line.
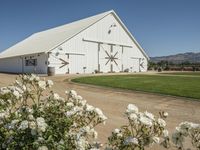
[138, 64]
[60, 61]
[117, 62]
[109, 58]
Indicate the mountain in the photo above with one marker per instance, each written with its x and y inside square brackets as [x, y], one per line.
[179, 58]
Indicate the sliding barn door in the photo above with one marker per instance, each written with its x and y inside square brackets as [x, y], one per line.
[60, 61]
[110, 58]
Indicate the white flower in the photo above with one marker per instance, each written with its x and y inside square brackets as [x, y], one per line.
[146, 121]
[73, 93]
[19, 90]
[116, 131]
[161, 122]
[33, 77]
[2, 115]
[81, 143]
[42, 84]
[100, 114]
[32, 125]
[133, 117]
[37, 78]
[23, 125]
[131, 140]
[15, 121]
[16, 94]
[41, 124]
[119, 134]
[25, 77]
[33, 132]
[79, 97]
[70, 113]
[98, 111]
[24, 87]
[30, 117]
[56, 96]
[165, 114]
[70, 104]
[156, 139]
[188, 125]
[29, 110]
[83, 102]
[177, 138]
[194, 125]
[165, 133]
[149, 115]
[4, 90]
[89, 108]
[49, 83]
[95, 134]
[42, 148]
[131, 108]
[86, 129]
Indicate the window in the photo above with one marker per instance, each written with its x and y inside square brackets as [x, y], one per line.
[31, 62]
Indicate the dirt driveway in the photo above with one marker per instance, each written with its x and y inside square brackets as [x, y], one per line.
[113, 103]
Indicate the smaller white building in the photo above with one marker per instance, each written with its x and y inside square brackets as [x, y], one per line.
[100, 43]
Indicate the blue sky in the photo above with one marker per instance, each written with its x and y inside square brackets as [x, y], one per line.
[162, 27]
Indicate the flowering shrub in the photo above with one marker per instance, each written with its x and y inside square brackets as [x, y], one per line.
[142, 130]
[31, 120]
[187, 129]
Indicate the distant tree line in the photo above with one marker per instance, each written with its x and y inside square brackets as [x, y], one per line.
[170, 66]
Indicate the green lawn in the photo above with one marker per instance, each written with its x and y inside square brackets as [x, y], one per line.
[186, 86]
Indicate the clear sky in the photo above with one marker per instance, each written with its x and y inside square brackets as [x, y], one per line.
[162, 27]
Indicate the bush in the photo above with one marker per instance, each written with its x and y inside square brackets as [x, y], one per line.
[142, 130]
[31, 120]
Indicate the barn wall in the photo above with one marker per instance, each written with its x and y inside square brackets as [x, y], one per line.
[12, 65]
[17, 64]
[41, 67]
[83, 56]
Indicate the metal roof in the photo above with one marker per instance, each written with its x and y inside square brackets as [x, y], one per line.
[47, 40]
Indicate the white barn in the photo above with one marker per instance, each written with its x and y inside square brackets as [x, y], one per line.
[100, 43]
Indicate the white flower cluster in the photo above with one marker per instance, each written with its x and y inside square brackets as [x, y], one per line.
[16, 92]
[85, 117]
[187, 129]
[147, 119]
[28, 120]
[143, 130]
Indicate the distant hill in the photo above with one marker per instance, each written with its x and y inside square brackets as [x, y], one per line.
[179, 58]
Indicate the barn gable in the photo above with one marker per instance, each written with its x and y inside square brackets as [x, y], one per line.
[83, 49]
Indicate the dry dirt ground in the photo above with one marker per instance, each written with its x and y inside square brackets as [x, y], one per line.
[113, 102]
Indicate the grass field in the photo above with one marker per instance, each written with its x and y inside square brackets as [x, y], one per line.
[185, 86]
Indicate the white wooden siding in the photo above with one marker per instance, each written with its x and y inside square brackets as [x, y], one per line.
[85, 54]
[17, 64]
